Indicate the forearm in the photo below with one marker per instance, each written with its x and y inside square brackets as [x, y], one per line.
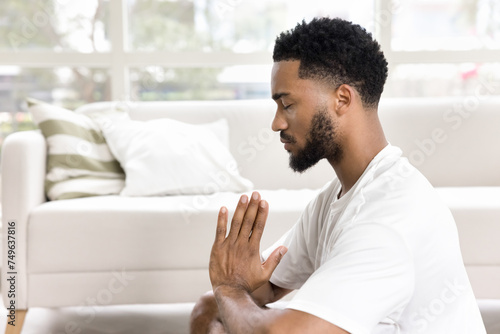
[269, 293]
[240, 313]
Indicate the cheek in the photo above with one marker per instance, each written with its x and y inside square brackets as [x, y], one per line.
[299, 123]
[302, 127]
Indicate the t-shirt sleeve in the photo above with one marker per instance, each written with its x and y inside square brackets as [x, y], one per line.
[367, 277]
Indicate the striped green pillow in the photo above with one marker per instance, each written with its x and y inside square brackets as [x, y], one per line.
[79, 162]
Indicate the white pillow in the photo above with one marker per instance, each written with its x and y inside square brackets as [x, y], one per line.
[168, 157]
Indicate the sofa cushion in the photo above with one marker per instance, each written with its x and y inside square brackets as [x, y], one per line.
[79, 163]
[490, 311]
[142, 233]
[477, 213]
[113, 232]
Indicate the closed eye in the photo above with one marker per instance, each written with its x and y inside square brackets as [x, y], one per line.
[286, 107]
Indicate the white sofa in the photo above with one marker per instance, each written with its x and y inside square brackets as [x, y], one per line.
[138, 250]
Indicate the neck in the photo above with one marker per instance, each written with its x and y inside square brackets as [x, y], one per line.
[358, 151]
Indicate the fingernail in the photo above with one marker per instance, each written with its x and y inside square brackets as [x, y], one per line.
[255, 196]
[223, 210]
[244, 199]
[263, 204]
[283, 251]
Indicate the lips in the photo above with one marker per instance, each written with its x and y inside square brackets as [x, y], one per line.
[287, 144]
[287, 140]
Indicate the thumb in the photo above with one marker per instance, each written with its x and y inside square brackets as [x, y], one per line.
[274, 259]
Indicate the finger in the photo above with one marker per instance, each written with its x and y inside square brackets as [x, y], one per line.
[239, 213]
[249, 218]
[273, 260]
[220, 233]
[260, 222]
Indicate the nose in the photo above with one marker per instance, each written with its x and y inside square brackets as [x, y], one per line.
[279, 123]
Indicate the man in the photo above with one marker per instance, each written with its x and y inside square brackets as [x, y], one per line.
[376, 251]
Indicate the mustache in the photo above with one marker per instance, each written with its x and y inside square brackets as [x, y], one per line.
[287, 137]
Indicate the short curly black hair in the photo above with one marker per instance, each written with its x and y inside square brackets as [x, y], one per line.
[336, 52]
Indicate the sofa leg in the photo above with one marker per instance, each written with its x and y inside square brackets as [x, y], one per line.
[20, 315]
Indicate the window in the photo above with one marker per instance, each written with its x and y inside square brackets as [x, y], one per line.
[71, 52]
[441, 47]
[446, 25]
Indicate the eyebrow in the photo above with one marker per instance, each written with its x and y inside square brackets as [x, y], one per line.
[279, 95]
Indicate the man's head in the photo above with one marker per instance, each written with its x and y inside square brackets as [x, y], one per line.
[336, 52]
[321, 69]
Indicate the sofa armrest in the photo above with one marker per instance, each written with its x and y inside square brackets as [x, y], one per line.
[23, 165]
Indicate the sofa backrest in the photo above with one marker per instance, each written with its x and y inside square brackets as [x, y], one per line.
[452, 141]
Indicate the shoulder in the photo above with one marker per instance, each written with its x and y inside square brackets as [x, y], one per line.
[397, 184]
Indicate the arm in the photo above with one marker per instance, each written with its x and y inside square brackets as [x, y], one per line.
[269, 293]
[236, 272]
[239, 314]
[23, 174]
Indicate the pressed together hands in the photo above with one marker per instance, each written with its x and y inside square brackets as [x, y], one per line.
[235, 259]
[240, 281]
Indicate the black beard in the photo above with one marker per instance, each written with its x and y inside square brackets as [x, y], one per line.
[322, 142]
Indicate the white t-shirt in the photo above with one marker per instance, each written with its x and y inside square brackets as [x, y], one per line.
[384, 258]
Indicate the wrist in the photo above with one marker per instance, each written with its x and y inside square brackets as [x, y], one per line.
[225, 289]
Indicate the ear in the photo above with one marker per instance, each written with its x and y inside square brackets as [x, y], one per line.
[344, 97]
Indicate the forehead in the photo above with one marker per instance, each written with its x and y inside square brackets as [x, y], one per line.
[284, 73]
[285, 81]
